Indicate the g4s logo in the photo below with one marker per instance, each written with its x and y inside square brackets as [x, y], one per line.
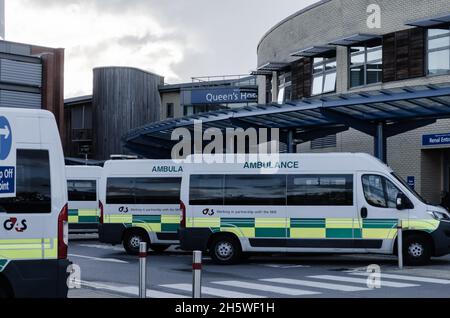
[12, 223]
[123, 209]
[208, 212]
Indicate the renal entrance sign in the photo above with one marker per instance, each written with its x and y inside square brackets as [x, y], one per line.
[7, 160]
[224, 96]
[436, 140]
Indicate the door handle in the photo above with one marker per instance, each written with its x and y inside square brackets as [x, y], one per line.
[364, 213]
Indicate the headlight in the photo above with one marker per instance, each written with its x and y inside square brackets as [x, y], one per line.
[440, 216]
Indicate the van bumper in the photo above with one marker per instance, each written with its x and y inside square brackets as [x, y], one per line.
[38, 278]
[194, 239]
[111, 233]
[441, 238]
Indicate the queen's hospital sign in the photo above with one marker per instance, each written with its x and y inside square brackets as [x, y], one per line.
[224, 96]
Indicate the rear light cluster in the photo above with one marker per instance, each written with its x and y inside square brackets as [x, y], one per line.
[183, 215]
[63, 232]
[102, 213]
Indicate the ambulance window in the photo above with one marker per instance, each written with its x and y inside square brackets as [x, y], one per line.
[33, 185]
[244, 190]
[120, 191]
[380, 192]
[82, 190]
[320, 190]
[374, 190]
[206, 190]
[157, 190]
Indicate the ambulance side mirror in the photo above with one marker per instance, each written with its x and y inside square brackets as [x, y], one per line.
[403, 203]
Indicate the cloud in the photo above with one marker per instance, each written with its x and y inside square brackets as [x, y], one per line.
[177, 39]
[94, 38]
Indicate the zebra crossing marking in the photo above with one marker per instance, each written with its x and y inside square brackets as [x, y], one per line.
[298, 282]
[362, 281]
[267, 288]
[410, 278]
[212, 291]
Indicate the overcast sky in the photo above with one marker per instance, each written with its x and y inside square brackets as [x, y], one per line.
[177, 39]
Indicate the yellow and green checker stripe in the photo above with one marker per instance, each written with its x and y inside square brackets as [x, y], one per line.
[151, 223]
[83, 216]
[304, 228]
[26, 249]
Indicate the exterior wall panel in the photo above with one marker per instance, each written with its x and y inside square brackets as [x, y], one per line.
[20, 73]
[20, 99]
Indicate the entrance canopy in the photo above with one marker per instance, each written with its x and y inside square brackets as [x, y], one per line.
[379, 113]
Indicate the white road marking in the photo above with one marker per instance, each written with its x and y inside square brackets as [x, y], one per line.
[212, 291]
[288, 281]
[103, 247]
[97, 259]
[130, 290]
[285, 266]
[410, 278]
[267, 288]
[361, 281]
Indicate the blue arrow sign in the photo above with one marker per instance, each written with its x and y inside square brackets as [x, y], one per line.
[5, 138]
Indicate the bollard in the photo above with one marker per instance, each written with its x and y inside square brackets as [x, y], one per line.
[400, 243]
[197, 275]
[143, 270]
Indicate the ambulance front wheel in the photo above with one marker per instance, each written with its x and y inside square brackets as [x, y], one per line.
[225, 250]
[417, 250]
[132, 240]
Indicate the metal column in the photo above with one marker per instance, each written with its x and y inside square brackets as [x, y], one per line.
[380, 143]
[290, 141]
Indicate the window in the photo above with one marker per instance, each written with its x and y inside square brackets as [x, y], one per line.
[33, 184]
[157, 190]
[82, 190]
[380, 192]
[206, 190]
[120, 191]
[285, 88]
[244, 190]
[320, 190]
[366, 64]
[170, 109]
[143, 191]
[438, 51]
[324, 75]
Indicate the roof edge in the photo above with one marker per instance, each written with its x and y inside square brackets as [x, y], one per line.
[304, 10]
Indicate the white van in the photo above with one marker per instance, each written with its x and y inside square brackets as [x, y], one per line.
[33, 224]
[82, 187]
[337, 203]
[140, 201]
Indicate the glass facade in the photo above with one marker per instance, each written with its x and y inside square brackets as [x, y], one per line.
[284, 88]
[366, 64]
[438, 51]
[324, 75]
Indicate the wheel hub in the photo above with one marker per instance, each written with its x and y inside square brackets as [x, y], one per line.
[415, 250]
[135, 241]
[224, 250]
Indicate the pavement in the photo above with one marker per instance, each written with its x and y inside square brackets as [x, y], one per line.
[108, 272]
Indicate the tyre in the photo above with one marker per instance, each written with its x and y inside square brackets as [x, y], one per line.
[3, 292]
[225, 250]
[416, 250]
[159, 248]
[132, 241]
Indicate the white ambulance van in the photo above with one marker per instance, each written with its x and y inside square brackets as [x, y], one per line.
[327, 203]
[140, 201]
[82, 186]
[33, 223]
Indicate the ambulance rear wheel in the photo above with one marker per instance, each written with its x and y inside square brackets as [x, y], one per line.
[132, 241]
[159, 248]
[225, 250]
